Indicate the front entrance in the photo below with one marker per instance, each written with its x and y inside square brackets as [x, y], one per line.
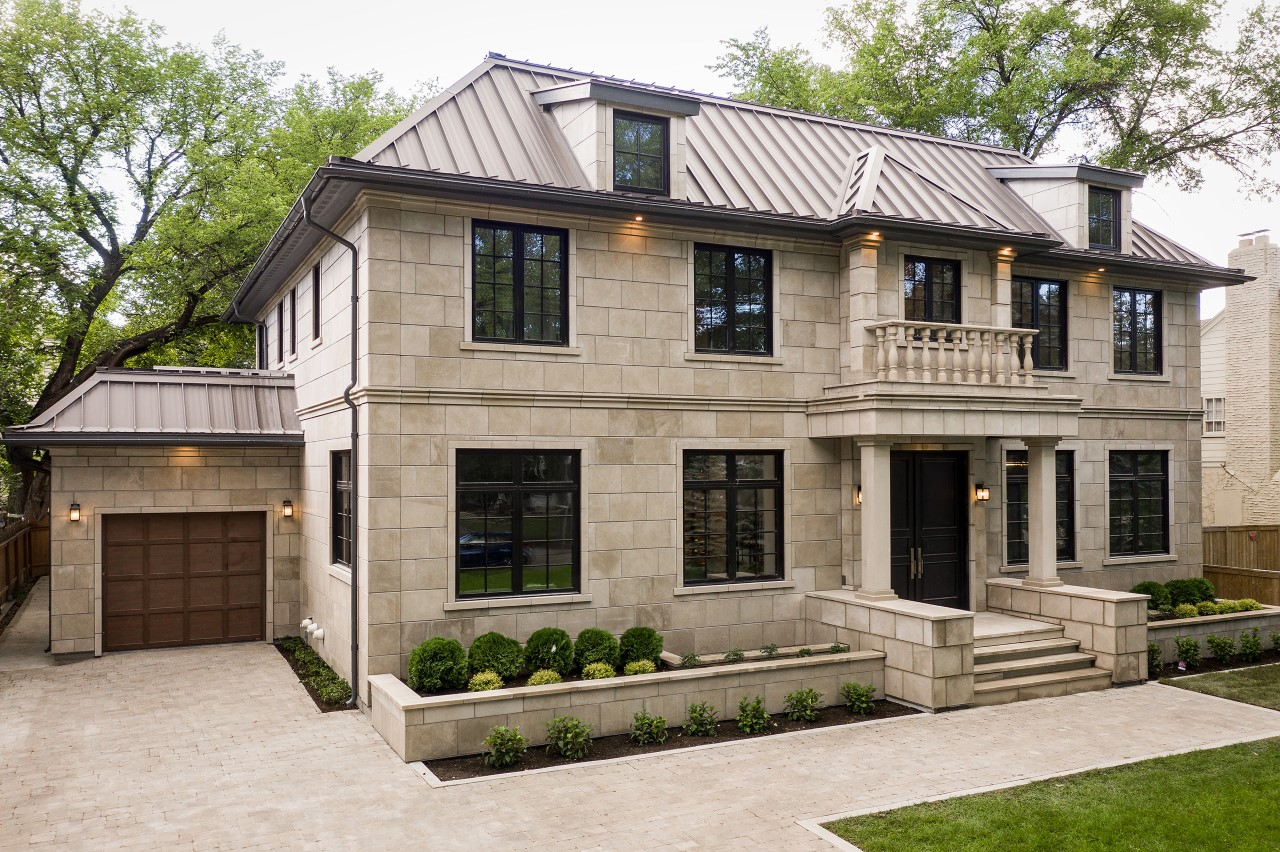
[929, 524]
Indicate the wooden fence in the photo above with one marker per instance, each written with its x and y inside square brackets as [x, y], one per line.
[1244, 562]
[24, 553]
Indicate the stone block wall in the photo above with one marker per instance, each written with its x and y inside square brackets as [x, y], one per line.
[1231, 624]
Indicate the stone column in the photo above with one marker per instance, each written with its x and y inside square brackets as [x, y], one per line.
[1042, 513]
[861, 306]
[1002, 287]
[877, 583]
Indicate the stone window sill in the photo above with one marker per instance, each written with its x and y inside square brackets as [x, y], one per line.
[339, 572]
[1138, 377]
[524, 600]
[1139, 560]
[732, 359]
[1024, 568]
[522, 349]
[713, 588]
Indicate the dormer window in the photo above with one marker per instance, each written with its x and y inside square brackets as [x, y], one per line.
[1104, 218]
[640, 153]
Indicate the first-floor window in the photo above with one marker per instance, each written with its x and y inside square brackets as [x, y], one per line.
[517, 522]
[340, 511]
[1139, 502]
[1215, 415]
[1017, 485]
[732, 517]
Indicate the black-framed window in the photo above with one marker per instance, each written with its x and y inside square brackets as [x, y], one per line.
[732, 311]
[293, 321]
[640, 152]
[1017, 488]
[1104, 218]
[340, 508]
[280, 331]
[732, 517]
[315, 302]
[1042, 304]
[1215, 414]
[931, 289]
[1138, 502]
[1135, 330]
[262, 347]
[517, 522]
[520, 284]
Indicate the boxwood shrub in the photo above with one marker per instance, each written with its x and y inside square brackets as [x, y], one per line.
[1191, 591]
[641, 643]
[595, 646]
[639, 667]
[438, 664]
[542, 677]
[484, 681]
[1159, 594]
[550, 648]
[493, 652]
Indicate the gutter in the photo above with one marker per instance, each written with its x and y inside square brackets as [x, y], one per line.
[354, 702]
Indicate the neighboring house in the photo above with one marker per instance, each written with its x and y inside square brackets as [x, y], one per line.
[632, 355]
[1240, 374]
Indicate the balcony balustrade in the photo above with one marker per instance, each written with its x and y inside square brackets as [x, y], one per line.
[945, 353]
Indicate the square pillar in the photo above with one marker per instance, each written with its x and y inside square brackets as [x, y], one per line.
[877, 582]
[1002, 287]
[1042, 512]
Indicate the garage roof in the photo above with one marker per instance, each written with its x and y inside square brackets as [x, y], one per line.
[170, 405]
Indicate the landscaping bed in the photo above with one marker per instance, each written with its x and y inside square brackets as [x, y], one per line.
[1170, 671]
[621, 745]
[326, 689]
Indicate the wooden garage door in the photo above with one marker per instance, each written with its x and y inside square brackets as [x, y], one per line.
[182, 579]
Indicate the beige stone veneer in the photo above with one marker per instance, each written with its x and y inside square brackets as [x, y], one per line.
[1231, 624]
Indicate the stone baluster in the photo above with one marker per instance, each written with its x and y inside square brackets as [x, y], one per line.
[944, 365]
[957, 356]
[882, 355]
[909, 338]
[895, 332]
[974, 340]
[1028, 363]
[999, 356]
[985, 356]
[926, 355]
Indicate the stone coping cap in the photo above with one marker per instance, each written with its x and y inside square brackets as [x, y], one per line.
[400, 693]
[1070, 591]
[928, 612]
[1212, 619]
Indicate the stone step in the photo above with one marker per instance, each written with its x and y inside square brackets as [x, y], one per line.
[1040, 686]
[1026, 633]
[1041, 664]
[1022, 650]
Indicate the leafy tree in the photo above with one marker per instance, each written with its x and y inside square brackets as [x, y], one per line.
[138, 183]
[1149, 85]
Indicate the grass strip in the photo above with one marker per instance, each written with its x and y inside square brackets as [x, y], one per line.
[1258, 685]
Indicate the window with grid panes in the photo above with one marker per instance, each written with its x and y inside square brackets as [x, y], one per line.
[640, 153]
[1215, 415]
[931, 289]
[1017, 487]
[732, 300]
[1138, 502]
[340, 508]
[1042, 305]
[1135, 330]
[520, 284]
[732, 517]
[1104, 218]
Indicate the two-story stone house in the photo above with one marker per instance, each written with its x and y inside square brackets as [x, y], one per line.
[627, 355]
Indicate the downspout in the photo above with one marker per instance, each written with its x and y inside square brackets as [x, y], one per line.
[354, 702]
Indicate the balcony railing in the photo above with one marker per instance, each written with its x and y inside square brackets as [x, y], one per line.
[952, 354]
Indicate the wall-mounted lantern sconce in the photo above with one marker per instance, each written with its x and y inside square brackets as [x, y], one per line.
[857, 494]
[981, 493]
[288, 508]
[74, 516]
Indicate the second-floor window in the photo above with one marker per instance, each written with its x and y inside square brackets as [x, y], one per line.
[1043, 305]
[1104, 218]
[1135, 330]
[1215, 415]
[731, 312]
[280, 331]
[639, 153]
[520, 284]
[293, 321]
[931, 290]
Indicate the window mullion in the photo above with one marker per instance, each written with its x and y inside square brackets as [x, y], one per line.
[731, 302]
[517, 282]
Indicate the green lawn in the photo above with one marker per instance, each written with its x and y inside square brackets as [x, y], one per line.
[1259, 685]
[1223, 799]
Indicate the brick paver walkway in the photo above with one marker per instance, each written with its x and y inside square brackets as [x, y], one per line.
[220, 748]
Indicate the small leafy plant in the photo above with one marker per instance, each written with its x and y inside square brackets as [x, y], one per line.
[802, 705]
[804, 652]
[1275, 639]
[839, 648]
[569, 737]
[1209, 608]
[598, 671]
[752, 717]
[503, 747]
[769, 651]
[701, 721]
[1188, 650]
[639, 667]
[860, 698]
[690, 661]
[1185, 610]
[1250, 645]
[484, 681]
[1247, 605]
[735, 656]
[542, 677]
[640, 643]
[1155, 657]
[647, 728]
[1223, 647]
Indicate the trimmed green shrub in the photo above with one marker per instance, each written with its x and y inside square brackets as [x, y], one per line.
[839, 648]
[550, 648]
[1185, 610]
[804, 652]
[639, 667]
[690, 661]
[802, 705]
[1275, 639]
[330, 688]
[1159, 594]
[493, 652]
[438, 664]
[1155, 657]
[701, 721]
[641, 643]
[484, 681]
[542, 677]
[735, 656]
[752, 717]
[770, 650]
[598, 671]
[595, 646]
[1191, 591]
[1250, 645]
[647, 728]
[503, 747]
[569, 737]
[1247, 605]
[1210, 608]
[1223, 647]
[1188, 650]
[1224, 607]
[860, 698]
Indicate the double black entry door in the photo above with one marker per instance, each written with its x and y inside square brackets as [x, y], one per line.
[929, 523]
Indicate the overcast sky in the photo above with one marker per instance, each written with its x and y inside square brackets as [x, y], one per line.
[660, 41]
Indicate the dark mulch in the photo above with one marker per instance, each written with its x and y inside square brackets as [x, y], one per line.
[325, 706]
[620, 745]
[19, 598]
[1171, 670]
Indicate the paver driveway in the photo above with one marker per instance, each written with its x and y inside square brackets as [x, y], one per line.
[219, 747]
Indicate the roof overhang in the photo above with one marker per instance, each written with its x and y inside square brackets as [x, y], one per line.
[1069, 171]
[1184, 273]
[632, 96]
[19, 438]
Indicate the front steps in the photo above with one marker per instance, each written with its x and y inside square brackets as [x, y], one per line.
[1016, 659]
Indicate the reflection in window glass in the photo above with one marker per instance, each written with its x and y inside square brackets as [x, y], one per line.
[732, 517]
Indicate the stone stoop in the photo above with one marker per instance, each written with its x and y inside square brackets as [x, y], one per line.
[1032, 663]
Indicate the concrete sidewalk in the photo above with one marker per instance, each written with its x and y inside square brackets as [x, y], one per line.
[220, 748]
[23, 642]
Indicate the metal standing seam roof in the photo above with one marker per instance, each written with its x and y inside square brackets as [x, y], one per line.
[171, 405]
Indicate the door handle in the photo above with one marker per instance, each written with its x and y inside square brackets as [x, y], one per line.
[918, 561]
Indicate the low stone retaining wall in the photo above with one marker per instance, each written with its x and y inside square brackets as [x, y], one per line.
[420, 728]
[1230, 624]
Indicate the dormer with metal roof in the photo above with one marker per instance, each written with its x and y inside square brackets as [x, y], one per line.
[1090, 206]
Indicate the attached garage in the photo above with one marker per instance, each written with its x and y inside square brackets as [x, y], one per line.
[183, 579]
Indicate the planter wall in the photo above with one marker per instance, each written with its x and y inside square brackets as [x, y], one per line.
[1231, 624]
[451, 725]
